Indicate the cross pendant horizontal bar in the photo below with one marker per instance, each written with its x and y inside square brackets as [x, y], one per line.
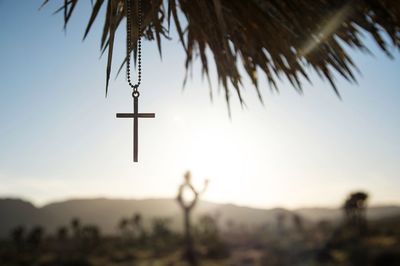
[133, 115]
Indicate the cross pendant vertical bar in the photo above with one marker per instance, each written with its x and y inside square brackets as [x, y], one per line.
[135, 115]
[135, 129]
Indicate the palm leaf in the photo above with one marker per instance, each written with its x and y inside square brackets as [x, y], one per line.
[280, 38]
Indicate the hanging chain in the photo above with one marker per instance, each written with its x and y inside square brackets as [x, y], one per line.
[129, 44]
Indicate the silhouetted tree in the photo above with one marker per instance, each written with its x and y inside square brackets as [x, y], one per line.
[209, 236]
[123, 227]
[137, 220]
[62, 233]
[348, 238]
[187, 207]
[355, 210]
[76, 227]
[298, 223]
[280, 222]
[90, 236]
[18, 235]
[132, 229]
[137, 226]
[139, 230]
[161, 236]
[91, 232]
[35, 237]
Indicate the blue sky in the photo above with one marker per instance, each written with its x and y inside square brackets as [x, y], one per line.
[59, 137]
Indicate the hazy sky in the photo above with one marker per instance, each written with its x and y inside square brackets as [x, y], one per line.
[59, 137]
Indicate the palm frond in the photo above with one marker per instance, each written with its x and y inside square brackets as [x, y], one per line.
[277, 37]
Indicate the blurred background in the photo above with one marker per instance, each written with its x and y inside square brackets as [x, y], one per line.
[301, 179]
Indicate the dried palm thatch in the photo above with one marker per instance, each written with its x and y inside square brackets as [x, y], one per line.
[276, 37]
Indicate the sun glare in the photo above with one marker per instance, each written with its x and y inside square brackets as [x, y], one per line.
[217, 156]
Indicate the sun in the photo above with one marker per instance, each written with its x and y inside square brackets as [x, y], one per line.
[214, 155]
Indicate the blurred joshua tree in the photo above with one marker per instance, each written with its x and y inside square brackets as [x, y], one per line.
[280, 222]
[187, 206]
[25, 242]
[62, 233]
[282, 38]
[162, 238]
[132, 229]
[35, 237]
[90, 236]
[91, 232]
[76, 227]
[349, 239]
[208, 235]
[137, 220]
[355, 210]
[123, 227]
[298, 223]
[18, 235]
[137, 226]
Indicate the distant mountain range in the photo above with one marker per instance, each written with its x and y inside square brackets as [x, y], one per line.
[106, 213]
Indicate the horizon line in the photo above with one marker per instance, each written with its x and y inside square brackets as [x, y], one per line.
[66, 199]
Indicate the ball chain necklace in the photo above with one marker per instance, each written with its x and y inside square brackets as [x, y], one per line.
[135, 94]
